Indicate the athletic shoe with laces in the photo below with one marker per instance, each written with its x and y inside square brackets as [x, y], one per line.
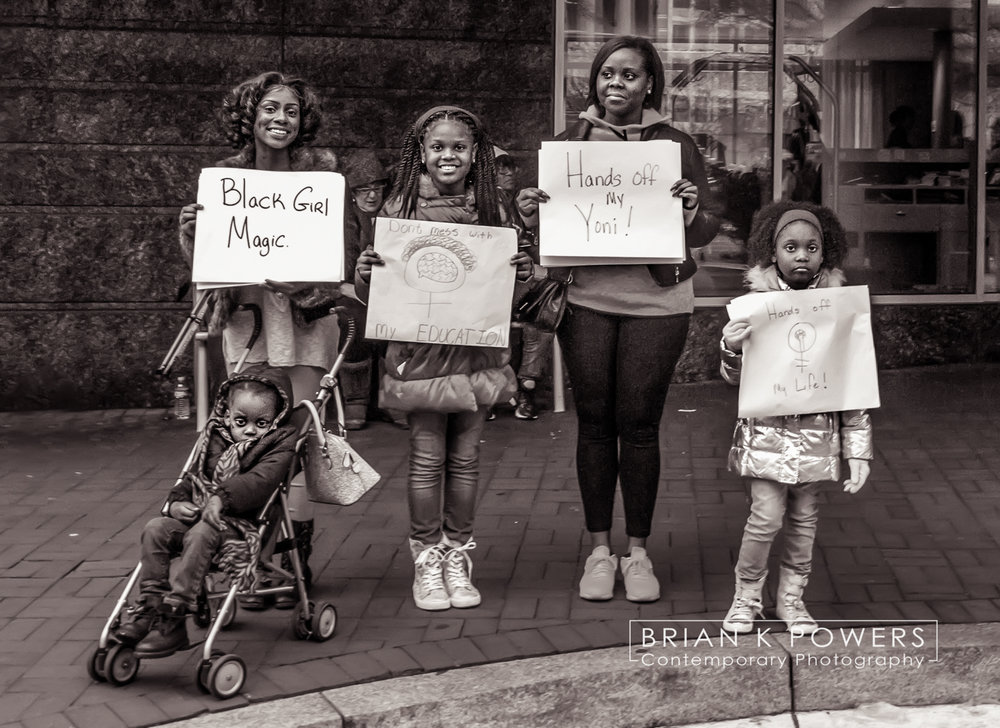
[641, 584]
[458, 577]
[598, 582]
[428, 579]
[526, 409]
[742, 613]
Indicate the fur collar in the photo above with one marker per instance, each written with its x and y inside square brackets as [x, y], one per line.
[760, 279]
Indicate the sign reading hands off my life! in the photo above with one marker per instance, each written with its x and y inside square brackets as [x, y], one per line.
[442, 283]
[809, 351]
[610, 202]
[279, 226]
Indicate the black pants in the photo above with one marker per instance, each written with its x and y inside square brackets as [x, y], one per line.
[620, 368]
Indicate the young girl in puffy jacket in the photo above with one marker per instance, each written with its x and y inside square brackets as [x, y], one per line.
[785, 459]
[446, 173]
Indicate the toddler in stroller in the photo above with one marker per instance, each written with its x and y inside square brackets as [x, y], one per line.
[215, 517]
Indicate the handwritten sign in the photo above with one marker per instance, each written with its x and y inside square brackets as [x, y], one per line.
[257, 226]
[609, 203]
[442, 283]
[809, 351]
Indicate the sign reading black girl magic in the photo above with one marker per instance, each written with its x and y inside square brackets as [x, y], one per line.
[279, 226]
[610, 203]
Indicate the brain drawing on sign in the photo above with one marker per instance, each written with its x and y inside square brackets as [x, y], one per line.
[437, 263]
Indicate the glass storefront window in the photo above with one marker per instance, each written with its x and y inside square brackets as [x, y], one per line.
[897, 145]
[878, 120]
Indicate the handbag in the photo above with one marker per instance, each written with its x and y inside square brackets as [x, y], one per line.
[334, 471]
[545, 302]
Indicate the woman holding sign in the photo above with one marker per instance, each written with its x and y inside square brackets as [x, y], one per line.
[625, 326]
[269, 119]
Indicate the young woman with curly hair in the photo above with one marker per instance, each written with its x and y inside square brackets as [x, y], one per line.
[269, 120]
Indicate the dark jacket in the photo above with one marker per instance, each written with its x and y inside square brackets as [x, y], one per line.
[706, 222]
[263, 466]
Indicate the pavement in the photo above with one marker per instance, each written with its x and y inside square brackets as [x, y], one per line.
[915, 551]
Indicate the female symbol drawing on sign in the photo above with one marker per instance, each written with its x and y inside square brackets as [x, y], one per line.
[801, 338]
[436, 264]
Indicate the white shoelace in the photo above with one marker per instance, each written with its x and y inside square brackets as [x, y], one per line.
[428, 565]
[457, 573]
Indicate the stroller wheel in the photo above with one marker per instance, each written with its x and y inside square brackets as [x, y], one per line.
[324, 622]
[95, 665]
[121, 665]
[204, 667]
[226, 676]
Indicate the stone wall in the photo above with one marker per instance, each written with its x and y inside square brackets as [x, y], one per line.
[109, 113]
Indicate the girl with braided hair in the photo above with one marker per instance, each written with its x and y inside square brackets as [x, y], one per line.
[446, 173]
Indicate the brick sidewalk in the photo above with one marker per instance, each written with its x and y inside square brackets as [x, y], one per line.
[919, 542]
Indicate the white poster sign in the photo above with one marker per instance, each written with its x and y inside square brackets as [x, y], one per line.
[279, 226]
[442, 283]
[809, 351]
[610, 202]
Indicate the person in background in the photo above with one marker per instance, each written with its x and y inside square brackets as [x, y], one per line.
[625, 326]
[270, 120]
[901, 120]
[536, 345]
[367, 179]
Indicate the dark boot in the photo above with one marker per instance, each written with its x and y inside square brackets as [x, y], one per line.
[303, 531]
[355, 383]
[138, 619]
[169, 633]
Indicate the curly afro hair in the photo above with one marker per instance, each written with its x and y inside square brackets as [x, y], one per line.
[239, 109]
[760, 244]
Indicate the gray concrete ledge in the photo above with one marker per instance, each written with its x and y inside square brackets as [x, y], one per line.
[706, 680]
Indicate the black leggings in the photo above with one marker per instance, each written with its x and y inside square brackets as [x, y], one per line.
[620, 368]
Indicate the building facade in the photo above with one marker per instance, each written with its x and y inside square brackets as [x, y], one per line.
[110, 111]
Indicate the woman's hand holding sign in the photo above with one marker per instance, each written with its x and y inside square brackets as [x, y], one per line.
[366, 260]
[687, 191]
[525, 265]
[528, 200]
[188, 218]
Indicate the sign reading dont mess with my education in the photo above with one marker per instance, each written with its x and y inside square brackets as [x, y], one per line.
[279, 226]
[610, 203]
[442, 283]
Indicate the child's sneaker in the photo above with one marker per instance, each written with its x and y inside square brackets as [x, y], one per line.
[789, 606]
[458, 577]
[747, 606]
[641, 584]
[428, 579]
[168, 635]
[138, 619]
[598, 582]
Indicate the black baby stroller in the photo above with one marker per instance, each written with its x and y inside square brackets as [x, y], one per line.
[219, 673]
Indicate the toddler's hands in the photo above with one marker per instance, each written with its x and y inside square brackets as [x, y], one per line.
[687, 191]
[734, 333]
[366, 260]
[860, 470]
[528, 200]
[188, 218]
[184, 511]
[212, 514]
[525, 265]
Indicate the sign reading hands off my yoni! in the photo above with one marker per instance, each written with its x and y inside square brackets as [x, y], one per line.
[279, 226]
[808, 351]
[442, 283]
[610, 203]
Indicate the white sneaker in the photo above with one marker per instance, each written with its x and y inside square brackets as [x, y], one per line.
[458, 577]
[428, 580]
[641, 584]
[598, 582]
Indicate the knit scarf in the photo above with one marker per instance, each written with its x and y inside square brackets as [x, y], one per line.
[237, 556]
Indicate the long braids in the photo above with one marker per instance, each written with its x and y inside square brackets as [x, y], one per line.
[482, 177]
